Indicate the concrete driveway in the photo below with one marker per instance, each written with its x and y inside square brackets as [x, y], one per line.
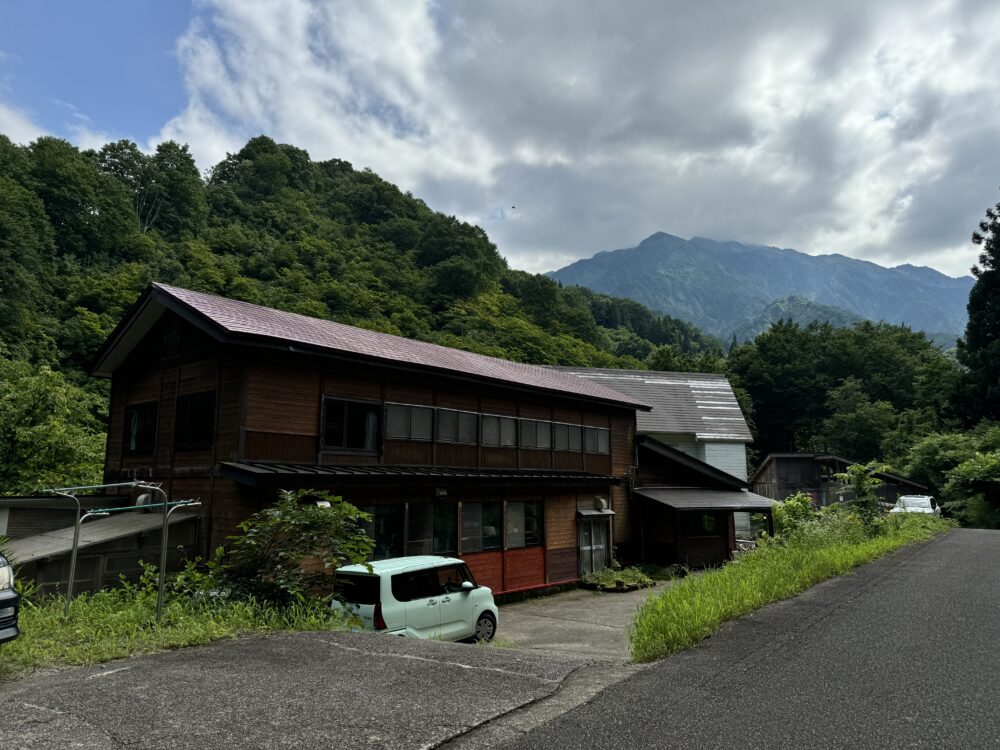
[582, 623]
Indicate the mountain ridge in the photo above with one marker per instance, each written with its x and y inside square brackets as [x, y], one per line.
[720, 285]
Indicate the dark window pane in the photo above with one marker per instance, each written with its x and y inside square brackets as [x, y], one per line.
[491, 430]
[140, 428]
[397, 421]
[421, 419]
[195, 423]
[357, 588]
[445, 528]
[386, 528]
[421, 529]
[533, 523]
[527, 433]
[508, 432]
[451, 578]
[468, 424]
[560, 436]
[492, 525]
[420, 584]
[472, 527]
[590, 439]
[515, 525]
[333, 423]
[543, 435]
[575, 438]
[351, 424]
[447, 425]
[603, 441]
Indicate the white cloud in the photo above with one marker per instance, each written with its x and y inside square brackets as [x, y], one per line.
[17, 125]
[864, 129]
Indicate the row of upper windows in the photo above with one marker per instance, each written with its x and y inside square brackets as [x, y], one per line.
[355, 425]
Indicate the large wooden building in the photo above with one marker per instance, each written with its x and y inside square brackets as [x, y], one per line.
[522, 471]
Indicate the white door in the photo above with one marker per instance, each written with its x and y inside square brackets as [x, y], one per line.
[458, 612]
[594, 534]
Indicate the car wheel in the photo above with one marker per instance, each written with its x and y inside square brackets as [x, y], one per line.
[486, 628]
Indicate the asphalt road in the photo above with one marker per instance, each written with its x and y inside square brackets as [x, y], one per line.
[904, 653]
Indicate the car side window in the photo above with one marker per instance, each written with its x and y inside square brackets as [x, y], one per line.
[417, 584]
[452, 577]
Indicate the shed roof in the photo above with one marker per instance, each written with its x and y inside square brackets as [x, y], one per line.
[233, 321]
[829, 458]
[684, 498]
[699, 404]
[98, 531]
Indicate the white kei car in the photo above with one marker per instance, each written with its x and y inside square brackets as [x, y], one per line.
[418, 597]
[916, 504]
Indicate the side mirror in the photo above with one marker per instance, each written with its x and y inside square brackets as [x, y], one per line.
[468, 585]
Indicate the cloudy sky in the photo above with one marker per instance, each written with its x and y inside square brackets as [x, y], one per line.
[865, 128]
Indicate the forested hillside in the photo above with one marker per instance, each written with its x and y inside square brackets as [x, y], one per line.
[83, 232]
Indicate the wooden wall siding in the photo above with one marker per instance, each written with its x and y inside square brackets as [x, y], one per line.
[567, 460]
[533, 410]
[499, 458]
[145, 387]
[198, 376]
[230, 505]
[490, 404]
[487, 568]
[279, 447]
[359, 384]
[453, 454]
[623, 457]
[560, 522]
[116, 430]
[227, 443]
[349, 459]
[165, 418]
[464, 400]
[596, 419]
[409, 394]
[570, 416]
[408, 453]
[597, 463]
[623, 518]
[562, 565]
[535, 459]
[523, 568]
[282, 399]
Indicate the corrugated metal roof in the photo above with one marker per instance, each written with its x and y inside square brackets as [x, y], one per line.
[693, 403]
[258, 470]
[245, 319]
[697, 499]
[98, 531]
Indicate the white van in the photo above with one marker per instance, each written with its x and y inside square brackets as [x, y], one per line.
[418, 597]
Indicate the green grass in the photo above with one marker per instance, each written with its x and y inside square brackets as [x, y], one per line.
[693, 608]
[114, 623]
[609, 578]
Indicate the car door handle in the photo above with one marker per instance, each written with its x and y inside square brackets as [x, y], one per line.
[446, 600]
[431, 603]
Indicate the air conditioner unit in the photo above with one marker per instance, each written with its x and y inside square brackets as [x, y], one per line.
[600, 503]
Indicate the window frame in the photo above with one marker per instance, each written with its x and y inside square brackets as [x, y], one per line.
[539, 532]
[534, 424]
[577, 428]
[597, 432]
[500, 423]
[457, 440]
[409, 422]
[145, 450]
[324, 412]
[186, 444]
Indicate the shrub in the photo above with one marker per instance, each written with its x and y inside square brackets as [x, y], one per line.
[290, 551]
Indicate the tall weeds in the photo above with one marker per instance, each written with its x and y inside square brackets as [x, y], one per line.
[814, 550]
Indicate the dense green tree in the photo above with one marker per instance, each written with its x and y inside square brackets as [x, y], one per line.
[979, 350]
[856, 426]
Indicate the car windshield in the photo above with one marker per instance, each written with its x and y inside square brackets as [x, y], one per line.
[914, 502]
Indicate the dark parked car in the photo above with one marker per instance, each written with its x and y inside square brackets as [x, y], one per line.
[9, 601]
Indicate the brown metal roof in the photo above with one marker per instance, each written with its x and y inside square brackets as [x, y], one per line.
[683, 498]
[242, 319]
[693, 403]
[251, 472]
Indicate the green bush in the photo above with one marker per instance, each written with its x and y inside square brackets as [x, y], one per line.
[832, 544]
[609, 578]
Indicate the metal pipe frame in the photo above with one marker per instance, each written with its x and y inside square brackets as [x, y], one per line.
[163, 552]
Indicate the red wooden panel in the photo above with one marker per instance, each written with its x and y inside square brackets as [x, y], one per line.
[353, 384]
[560, 521]
[487, 568]
[524, 568]
[409, 394]
[534, 410]
[465, 400]
[334, 459]
[282, 399]
[596, 419]
[491, 404]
